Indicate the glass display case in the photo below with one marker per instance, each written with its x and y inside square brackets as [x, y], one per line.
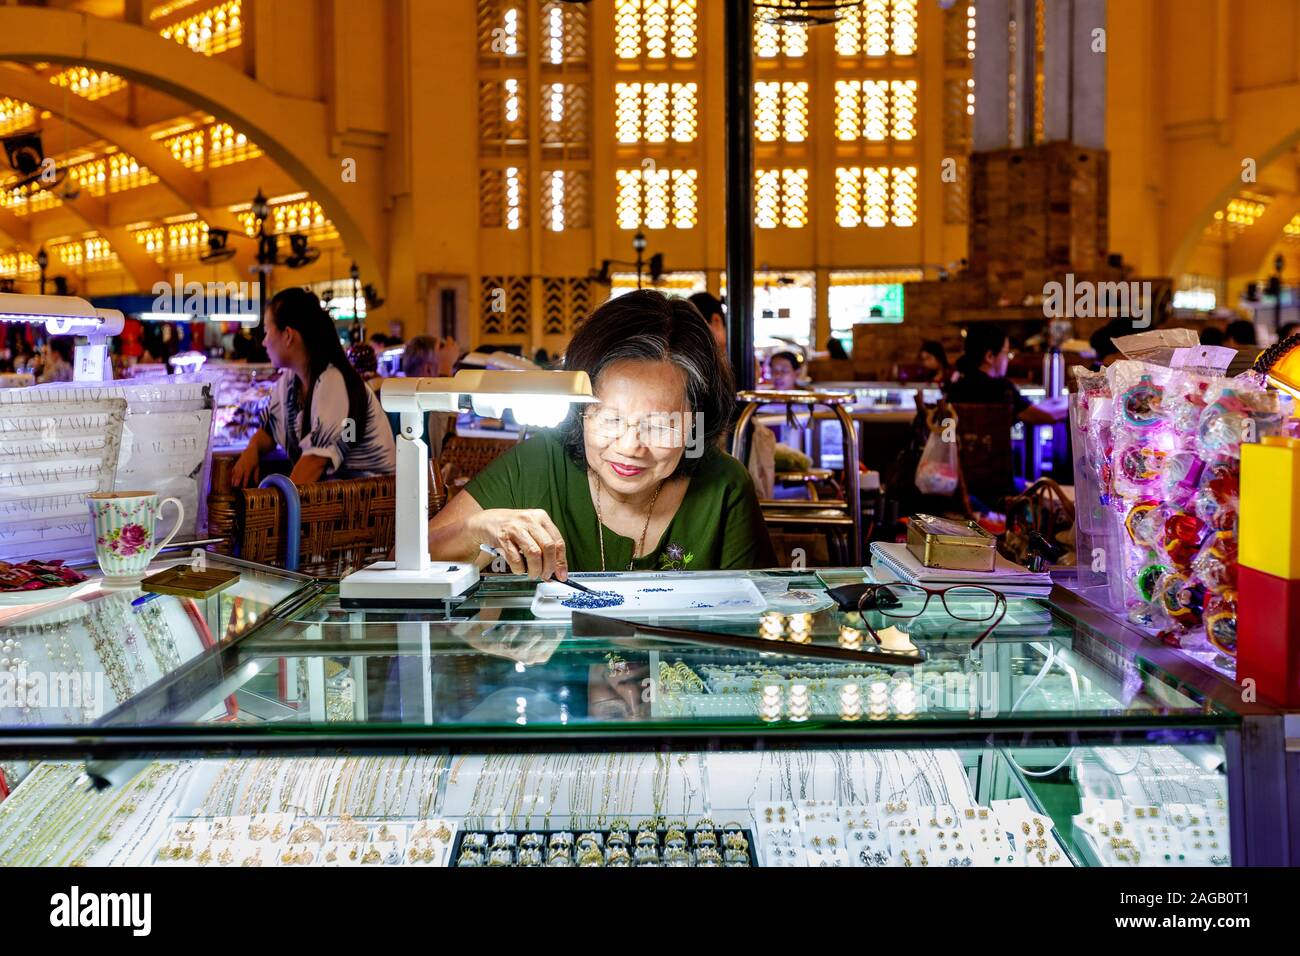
[300, 733]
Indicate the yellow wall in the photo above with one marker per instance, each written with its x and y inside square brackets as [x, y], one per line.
[1194, 87]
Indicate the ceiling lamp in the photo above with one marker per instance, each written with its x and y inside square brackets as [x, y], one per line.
[802, 12]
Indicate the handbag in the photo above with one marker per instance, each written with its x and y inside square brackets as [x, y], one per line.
[1042, 507]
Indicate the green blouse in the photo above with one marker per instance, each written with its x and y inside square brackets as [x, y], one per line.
[717, 526]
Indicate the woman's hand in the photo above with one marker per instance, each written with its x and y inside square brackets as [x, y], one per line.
[528, 540]
[247, 468]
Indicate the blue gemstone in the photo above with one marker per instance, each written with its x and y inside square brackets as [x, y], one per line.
[582, 601]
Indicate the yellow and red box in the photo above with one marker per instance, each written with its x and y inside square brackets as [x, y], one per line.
[1269, 510]
[1268, 635]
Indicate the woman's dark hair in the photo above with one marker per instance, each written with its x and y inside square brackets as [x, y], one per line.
[981, 339]
[836, 348]
[300, 310]
[1241, 331]
[931, 347]
[795, 361]
[649, 326]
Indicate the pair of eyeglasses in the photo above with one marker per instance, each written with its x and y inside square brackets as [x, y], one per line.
[963, 602]
[661, 430]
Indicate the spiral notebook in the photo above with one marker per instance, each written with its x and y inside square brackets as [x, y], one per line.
[894, 562]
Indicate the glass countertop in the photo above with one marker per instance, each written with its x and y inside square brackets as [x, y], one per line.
[308, 673]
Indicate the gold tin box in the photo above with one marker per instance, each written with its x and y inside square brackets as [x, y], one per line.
[951, 543]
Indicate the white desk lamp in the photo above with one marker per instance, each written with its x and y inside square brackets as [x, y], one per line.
[540, 399]
[70, 315]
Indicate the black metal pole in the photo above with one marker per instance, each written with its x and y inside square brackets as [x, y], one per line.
[739, 129]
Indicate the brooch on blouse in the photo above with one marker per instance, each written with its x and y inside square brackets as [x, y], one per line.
[674, 558]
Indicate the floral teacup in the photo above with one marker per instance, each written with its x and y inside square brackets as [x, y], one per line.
[124, 532]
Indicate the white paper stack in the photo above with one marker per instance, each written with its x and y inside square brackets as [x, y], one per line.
[893, 562]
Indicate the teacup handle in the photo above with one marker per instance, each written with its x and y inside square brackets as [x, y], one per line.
[180, 519]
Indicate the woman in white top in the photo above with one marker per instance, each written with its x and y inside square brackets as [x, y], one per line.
[345, 433]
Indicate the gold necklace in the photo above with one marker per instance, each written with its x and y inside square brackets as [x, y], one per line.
[600, 525]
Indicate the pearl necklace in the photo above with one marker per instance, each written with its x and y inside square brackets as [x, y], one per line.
[600, 525]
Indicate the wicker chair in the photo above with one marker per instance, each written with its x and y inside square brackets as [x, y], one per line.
[463, 458]
[344, 524]
[984, 452]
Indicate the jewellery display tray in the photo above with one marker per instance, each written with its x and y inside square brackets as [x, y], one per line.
[462, 835]
[654, 596]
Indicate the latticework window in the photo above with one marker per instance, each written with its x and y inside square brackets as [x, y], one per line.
[502, 198]
[956, 191]
[214, 30]
[290, 214]
[18, 265]
[226, 146]
[877, 28]
[772, 40]
[505, 304]
[91, 175]
[89, 254]
[564, 34]
[503, 128]
[875, 196]
[875, 110]
[780, 198]
[501, 29]
[87, 83]
[114, 173]
[566, 302]
[125, 172]
[958, 110]
[657, 198]
[781, 111]
[153, 239]
[565, 203]
[185, 240]
[655, 112]
[655, 29]
[24, 200]
[15, 115]
[565, 120]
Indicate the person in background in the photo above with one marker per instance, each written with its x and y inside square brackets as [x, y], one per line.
[57, 359]
[784, 368]
[1288, 330]
[934, 360]
[362, 358]
[711, 308]
[542, 358]
[1239, 335]
[1103, 344]
[427, 356]
[983, 368]
[322, 414]
[1211, 335]
[836, 348]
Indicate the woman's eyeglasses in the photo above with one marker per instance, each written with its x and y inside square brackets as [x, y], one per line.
[660, 430]
[963, 602]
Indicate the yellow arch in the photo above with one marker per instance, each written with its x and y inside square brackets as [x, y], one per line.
[270, 119]
[188, 187]
[1255, 116]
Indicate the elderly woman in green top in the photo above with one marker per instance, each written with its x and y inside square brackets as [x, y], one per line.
[634, 482]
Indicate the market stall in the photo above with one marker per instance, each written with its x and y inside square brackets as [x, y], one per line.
[487, 734]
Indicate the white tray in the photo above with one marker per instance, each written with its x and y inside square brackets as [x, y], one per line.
[685, 597]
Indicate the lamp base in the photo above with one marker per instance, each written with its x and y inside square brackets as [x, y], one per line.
[383, 585]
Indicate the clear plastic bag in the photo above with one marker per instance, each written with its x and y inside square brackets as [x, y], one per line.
[936, 472]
